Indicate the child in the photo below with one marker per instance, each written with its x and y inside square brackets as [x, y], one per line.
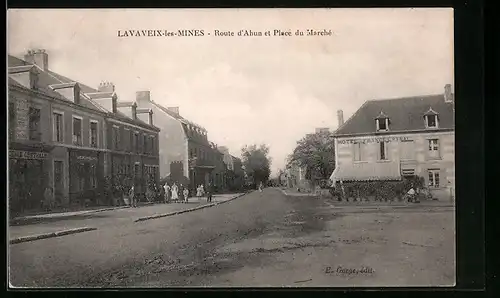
[186, 195]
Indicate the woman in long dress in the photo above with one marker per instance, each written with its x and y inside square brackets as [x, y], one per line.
[175, 194]
[198, 191]
[167, 192]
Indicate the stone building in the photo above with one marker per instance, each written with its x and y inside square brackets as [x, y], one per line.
[58, 136]
[186, 155]
[392, 138]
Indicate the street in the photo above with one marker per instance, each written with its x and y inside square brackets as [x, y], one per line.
[260, 239]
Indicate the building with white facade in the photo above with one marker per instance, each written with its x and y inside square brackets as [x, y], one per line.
[392, 138]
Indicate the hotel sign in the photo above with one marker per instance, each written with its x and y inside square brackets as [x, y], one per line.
[27, 154]
[374, 140]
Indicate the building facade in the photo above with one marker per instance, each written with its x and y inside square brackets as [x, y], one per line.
[59, 137]
[394, 138]
[296, 177]
[186, 155]
[132, 157]
[55, 137]
[234, 177]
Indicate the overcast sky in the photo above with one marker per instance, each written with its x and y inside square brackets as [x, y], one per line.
[246, 90]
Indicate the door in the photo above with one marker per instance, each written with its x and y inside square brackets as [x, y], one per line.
[58, 181]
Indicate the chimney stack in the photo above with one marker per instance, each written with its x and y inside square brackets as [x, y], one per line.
[142, 97]
[340, 116]
[106, 87]
[38, 57]
[448, 95]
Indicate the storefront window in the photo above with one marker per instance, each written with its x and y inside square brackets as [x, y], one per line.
[58, 179]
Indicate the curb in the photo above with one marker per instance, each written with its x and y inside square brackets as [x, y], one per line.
[50, 235]
[187, 210]
[35, 218]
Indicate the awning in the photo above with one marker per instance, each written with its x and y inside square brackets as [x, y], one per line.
[366, 172]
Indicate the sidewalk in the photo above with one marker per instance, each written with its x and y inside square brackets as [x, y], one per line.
[373, 204]
[103, 218]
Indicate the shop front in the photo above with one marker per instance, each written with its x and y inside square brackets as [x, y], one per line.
[85, 176]
[29, 169]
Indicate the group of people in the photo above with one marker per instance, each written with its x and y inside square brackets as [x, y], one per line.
[176, 193]
[171, 193]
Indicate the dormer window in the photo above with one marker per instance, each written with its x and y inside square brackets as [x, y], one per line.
[382, 122]
[431, 119]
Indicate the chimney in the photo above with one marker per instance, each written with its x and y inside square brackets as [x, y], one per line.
[142, 97]
[38, 57]
[25, 75]
[70, 91]
[448, 95]
[340, 116]
[174, 110]
[106, 87]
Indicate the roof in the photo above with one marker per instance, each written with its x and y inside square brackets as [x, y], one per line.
[48, 78]
[176, 116]
[405, 114]
[366, 172]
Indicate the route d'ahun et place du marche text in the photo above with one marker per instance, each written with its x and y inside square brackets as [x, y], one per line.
[223, 33]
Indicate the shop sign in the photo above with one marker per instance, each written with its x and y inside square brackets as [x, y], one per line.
[27, 154]
[375, 140]
[86, 158]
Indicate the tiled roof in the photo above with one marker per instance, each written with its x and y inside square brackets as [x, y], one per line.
[47, 78]
[366, 172]
[176, 116]
[121, 104]
[405, 114]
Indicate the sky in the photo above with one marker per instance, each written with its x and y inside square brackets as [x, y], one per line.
[249, 90]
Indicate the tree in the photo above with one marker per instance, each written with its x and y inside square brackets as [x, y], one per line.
[257, 163]
[316, 153]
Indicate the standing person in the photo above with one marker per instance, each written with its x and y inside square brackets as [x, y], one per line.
[186, 195]
[167, 192]
[198, 191]
[209, 192]
[175, 195]
[202, 190]
[48, 197]
[260, 186]
[132, 198]
[181, 192]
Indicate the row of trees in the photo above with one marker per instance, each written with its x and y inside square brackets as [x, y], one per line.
[315, 153]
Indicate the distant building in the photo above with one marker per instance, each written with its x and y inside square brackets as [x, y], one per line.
[296, 177]
[234, 176]
[391, 138]
[186, 155]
